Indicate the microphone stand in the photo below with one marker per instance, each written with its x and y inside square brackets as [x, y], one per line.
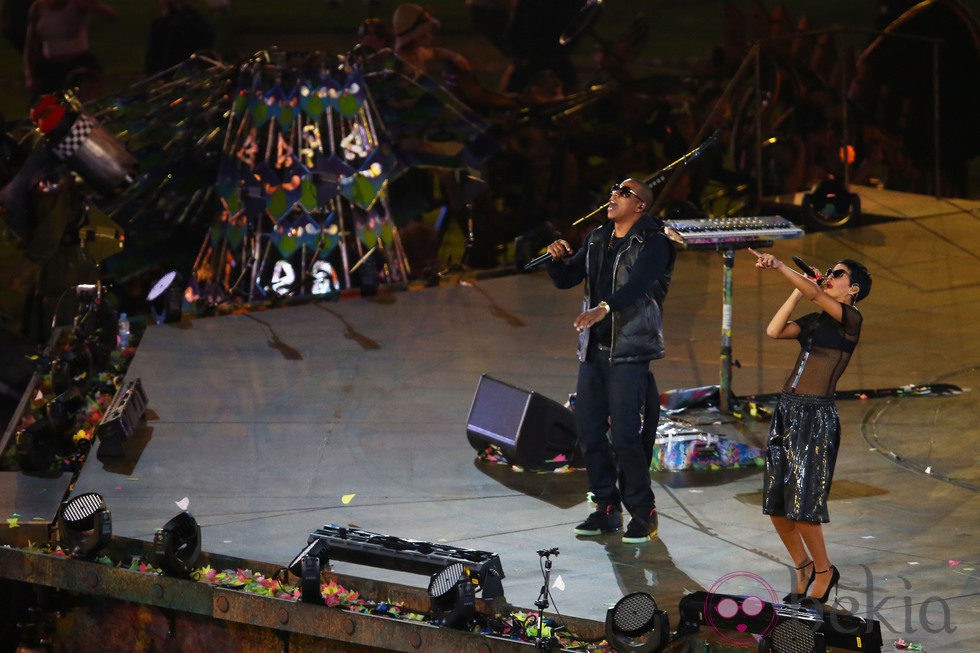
[656, 179]
[540, 642]
[661, 175]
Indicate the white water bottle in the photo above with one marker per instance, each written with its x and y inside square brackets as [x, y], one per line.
[123, 338]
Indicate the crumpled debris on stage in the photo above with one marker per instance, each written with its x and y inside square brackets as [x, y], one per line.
[681, 446]
[493, 454]
[678, 447]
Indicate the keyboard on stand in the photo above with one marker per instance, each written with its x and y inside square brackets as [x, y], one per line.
[726, 235]
[719, 233]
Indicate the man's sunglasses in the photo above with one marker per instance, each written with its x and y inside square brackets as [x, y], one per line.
[836, 273]
[624, 191]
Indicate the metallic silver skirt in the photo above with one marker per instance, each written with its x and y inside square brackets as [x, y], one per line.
[800, 458]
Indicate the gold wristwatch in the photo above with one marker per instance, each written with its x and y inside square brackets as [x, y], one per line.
[605, 306]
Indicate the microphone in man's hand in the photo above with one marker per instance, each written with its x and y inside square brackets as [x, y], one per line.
[537, 261]
[811, 272]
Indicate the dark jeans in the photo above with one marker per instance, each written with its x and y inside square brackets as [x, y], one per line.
[609, 404]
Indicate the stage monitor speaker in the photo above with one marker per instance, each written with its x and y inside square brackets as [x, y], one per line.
[529, 428]
[121, 419]
[840, 630]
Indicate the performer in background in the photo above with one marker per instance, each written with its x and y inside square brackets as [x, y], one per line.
[57, 42]
[415, 44]
[805, 432]
[626, 263]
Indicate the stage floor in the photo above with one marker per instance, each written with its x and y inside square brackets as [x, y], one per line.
[273, 423]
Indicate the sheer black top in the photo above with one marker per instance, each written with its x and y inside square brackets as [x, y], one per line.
[826, 346]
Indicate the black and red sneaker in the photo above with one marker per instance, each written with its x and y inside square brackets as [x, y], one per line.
[641, 530]
[607, 518]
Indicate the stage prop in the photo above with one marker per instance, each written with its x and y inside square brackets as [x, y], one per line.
[145, 159]
[680, 447]
[390, 552]
[425, 123]
[121, 419]
[80, 142]
[528, 428]
[310, 149]
[838, 629]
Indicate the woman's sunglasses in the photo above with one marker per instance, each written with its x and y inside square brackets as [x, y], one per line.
[836, 273]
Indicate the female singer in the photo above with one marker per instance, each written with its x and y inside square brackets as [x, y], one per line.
[805, 431]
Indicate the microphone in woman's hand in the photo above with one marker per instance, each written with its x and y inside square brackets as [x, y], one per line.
[807, 270]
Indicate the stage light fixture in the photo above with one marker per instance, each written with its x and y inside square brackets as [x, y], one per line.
[84, 525]
[309, 582]
[793, 636]
[635, 624]
[317, 548]
[166, 298]
[178, 545]
[452, 596]
[121, 419]
[831, 204]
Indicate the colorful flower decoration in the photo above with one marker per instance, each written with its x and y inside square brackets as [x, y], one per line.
[352, 95]
[311, 101]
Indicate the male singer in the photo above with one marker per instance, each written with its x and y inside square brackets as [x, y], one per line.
[627, 264]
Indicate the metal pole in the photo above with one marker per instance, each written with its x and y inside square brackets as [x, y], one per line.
[725, 384]
[758, 128]
[342, 226]
[845, 149]
[935, 119]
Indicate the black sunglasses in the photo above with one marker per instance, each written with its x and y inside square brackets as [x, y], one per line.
[624, 191]
[836, 273]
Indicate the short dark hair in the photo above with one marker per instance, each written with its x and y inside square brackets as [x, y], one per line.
[644, 194]
[859, 277]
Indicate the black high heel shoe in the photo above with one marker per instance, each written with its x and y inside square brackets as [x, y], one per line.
[830, 586]
[793, 597]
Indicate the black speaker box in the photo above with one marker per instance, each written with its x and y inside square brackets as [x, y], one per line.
[838, 629]
[529, 428]
[120, 420]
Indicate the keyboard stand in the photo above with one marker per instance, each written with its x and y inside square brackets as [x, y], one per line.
[725, 393]
[725, 235]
